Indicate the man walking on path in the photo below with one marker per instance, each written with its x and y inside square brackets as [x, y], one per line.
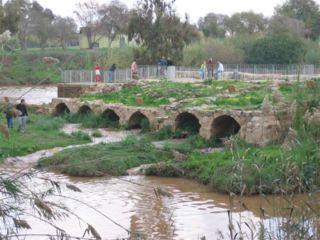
[22, 117]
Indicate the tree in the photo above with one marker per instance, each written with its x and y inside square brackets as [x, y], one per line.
[13, 13]
[64, 30]
[90, 20]
[283, 24]
[40, 23]
[114, 20]
[155, 26]
[1, 17]
[307, 11]
[276, 49]
[246, 23]
[213, 25]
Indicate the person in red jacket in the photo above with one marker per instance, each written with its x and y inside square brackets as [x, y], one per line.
[98, 73]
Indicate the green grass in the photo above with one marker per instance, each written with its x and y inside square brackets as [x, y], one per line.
[112, 159]
[42, 133]
[159, 93]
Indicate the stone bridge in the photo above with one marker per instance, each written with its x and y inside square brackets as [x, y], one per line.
[256, 127]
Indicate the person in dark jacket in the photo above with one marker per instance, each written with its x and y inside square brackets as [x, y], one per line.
[112, 69]
[22, 116]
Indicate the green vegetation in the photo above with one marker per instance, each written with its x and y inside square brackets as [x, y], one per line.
[187, 94]
[42, 133]
[91, 120]
[113, 159]
[28, 67]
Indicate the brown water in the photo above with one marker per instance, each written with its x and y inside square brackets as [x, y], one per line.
[191, 212]
[36, 95]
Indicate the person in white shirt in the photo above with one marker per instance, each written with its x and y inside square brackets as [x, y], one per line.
[220, 70]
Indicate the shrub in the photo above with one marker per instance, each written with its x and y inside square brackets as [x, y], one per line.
[276, 49]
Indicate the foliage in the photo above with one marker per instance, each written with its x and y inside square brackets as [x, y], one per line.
[307, 11]
[155, 26]
[114, 20]
[246, 23]
[111, 159]
[19, 201]
[91, 120]
[220, 50]
[213, 25]
[276, 49]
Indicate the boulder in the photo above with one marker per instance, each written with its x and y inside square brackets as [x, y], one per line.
[312, 118]
[51, 60]
[263, 130]
[290, 140]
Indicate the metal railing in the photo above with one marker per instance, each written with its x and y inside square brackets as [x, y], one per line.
[231, 71]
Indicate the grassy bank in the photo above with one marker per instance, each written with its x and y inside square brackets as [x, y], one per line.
[112, 159]
[42, 133]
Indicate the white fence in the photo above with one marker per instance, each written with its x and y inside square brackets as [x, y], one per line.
[231, 71]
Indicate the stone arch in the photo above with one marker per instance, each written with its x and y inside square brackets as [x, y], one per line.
[224, 126]
[84, 109]
[111, 118]
[61, 109]
[138, 121]
[187, 123]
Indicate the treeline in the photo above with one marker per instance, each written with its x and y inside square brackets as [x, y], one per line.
[291, 35]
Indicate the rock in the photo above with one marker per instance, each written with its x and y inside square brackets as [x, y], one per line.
[141, 170]
[290, 140]
[311, 84]
[312, 118]
[51, 60]
[266, 106]
[171, 100]
[179, 156]
[263, 130]
[277, 97]
[231, 89]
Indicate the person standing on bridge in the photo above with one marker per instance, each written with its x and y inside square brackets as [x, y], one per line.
[98, 73]
[134, 71]
[112, 69]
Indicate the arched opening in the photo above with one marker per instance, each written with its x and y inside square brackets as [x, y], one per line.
[110, 119]
[61, 109]
[187, 124]
[139, 121]
[84, 110]
[224, 126]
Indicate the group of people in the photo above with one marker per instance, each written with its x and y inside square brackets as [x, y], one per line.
[111, 71]
[11, 111]
[209, 69]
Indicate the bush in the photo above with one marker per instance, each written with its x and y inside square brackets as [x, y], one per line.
[276, 49]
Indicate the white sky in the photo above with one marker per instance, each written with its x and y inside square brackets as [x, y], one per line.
[195, 8]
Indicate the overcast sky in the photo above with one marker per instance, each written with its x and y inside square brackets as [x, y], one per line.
[195, 8]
